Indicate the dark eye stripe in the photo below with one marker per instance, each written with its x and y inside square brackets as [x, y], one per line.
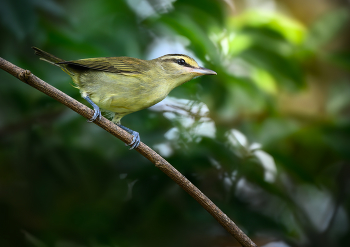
[176, 61]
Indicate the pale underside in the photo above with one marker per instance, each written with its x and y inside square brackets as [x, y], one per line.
[120, 94]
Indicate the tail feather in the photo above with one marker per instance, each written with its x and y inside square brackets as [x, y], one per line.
[47, 56]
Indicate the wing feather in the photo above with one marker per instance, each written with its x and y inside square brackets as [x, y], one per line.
[120, 65]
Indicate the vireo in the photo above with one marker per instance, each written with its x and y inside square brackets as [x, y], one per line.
[122, 85]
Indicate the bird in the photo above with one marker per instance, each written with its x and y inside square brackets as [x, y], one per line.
[123, 85]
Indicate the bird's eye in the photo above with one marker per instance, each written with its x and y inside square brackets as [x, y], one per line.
[181, 62]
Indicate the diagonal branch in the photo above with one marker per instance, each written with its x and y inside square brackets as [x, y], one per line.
[150, 154]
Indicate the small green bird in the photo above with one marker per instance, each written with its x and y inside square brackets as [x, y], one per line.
[122, 85]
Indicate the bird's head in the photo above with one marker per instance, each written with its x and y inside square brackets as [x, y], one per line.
[181, 68]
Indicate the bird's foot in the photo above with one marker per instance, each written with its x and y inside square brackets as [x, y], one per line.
[135, 139]
[97, 114]
[97, 111]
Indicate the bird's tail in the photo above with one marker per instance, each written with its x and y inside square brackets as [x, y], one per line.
[47, 56]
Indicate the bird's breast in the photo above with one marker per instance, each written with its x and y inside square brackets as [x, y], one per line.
[123, 93]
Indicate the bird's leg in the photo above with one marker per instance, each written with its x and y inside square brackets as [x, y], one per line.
[136, 137]
[97, 111]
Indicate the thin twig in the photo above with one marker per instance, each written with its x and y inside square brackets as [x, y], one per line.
[30, 79]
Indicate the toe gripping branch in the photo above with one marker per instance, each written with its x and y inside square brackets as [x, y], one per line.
[136, 137]
[97, 114]
[97, 111]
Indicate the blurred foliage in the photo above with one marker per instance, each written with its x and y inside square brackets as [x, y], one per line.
[267, 139]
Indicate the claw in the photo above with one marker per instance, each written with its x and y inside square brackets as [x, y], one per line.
[135, 139]
[97, 114]
[97, 111]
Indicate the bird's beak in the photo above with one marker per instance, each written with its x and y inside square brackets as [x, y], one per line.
[203, 71]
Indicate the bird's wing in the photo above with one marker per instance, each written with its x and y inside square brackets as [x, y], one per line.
[120, 65]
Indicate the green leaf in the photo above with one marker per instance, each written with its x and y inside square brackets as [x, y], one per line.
[287, 72]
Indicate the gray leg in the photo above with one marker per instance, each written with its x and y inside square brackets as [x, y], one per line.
[136, 137]
[97, 113]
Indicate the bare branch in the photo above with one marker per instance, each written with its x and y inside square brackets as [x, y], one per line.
[30, 79]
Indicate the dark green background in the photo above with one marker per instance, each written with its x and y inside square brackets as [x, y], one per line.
[283, 82]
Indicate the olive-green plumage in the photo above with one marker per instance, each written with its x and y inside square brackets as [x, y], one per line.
[123, 85]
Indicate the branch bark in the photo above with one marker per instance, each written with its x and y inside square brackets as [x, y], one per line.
[27, 77]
